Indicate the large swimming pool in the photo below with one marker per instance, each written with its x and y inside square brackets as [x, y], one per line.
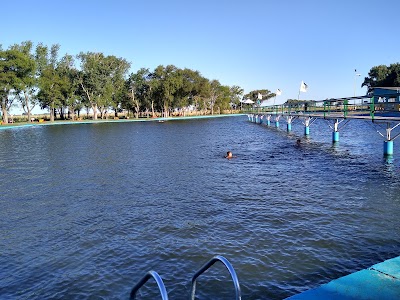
[87, 209]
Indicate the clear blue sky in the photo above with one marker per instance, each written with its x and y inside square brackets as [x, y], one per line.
[256, 44]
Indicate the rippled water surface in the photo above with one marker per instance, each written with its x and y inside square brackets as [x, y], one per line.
[87, 210]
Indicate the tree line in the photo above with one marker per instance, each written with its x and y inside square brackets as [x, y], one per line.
[37, 76]
[383, 76]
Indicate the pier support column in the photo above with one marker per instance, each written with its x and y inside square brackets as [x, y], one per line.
[388, 144]
[307, 122]
[335, 133]
[289, 120]
[268, 118]
[277, 121]
[388, 148]
[335, 136]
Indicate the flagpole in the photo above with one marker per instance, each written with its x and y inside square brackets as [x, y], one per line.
[298, 96]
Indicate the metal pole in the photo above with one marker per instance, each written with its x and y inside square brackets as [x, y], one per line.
[355, 78]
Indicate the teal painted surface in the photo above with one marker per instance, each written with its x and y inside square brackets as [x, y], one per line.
[381, 281]
[388, 147]
[276, 124]
[335, 136]
[390, 266]
[307, 130]
[289, 127]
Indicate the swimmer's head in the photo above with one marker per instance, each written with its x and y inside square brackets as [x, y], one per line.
[229, 154]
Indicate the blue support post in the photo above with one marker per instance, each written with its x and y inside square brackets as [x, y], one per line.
[335, 133]
[276, 124]
[307, 130]
[388, 148]
[268, 122]
[335, 136]
[289, 127]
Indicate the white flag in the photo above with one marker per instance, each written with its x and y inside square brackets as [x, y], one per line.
[278, 92]
[303, 87]
[259, 96]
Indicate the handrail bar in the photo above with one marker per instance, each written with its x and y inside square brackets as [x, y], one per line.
[207, 266]
[157, 278]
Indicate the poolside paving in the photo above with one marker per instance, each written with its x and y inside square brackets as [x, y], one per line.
[381, 281]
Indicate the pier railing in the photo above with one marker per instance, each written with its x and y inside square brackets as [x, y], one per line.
[367, 105]
[383, 110]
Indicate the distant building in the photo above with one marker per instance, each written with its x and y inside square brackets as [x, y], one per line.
[386, 98]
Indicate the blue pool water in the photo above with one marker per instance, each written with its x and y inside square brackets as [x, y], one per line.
[86, 210]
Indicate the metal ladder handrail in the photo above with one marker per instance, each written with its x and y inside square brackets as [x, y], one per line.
[207, 266]
[157, 278]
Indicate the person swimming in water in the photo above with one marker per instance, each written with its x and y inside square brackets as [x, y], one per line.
[229, 154]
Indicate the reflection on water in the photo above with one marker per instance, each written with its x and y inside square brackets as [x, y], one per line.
[87, 210]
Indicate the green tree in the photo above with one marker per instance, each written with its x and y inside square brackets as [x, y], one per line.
[200, 99]
[393, 78]
[236, 94]
[137, 89]
[28, 94]
[50, 83]
[69, 86]
[383, 76]
[100, 79]
[117, 69]
[265, 95]
[15, 68]
[167, 83]
[91, 79]
[214, 93]
[223, 98]
[377, 76]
